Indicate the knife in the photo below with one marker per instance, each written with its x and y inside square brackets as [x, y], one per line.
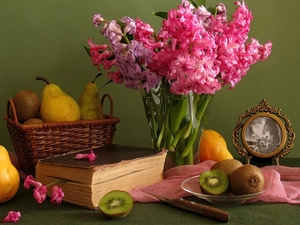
[197, 208]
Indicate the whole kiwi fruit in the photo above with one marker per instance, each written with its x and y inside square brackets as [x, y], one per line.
[27, 105]
[116, 204]
[227, 165]
[32, 121]
[213, 182]
[247, 179]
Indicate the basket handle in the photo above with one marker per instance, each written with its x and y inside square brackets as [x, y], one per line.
[111, 104]
[11, 110]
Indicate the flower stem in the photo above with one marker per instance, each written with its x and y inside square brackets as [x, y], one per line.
[56, 182]
[178, 113]
[199, 114]
[177, 137]
[151, 115]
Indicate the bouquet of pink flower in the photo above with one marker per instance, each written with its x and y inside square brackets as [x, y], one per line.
[197, 51]
[194, 50]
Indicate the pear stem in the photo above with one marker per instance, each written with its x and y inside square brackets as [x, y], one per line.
[98, 75]
[43, 79]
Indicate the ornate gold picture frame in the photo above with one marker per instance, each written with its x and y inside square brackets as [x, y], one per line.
[263, 132]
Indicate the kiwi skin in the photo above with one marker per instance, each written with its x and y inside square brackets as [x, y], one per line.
[27, 104]
[247, 179]
[116, 204]
[33, 121]
[213, 182]
[227, 165]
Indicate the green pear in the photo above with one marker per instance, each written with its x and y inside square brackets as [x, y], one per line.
[89, 102]
[56, 105]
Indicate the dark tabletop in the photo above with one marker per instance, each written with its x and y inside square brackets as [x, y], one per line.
[259, 213]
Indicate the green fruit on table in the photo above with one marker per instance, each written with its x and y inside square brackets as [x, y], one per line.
[27, 105]
[9, 177]
[116, 204]
[89, 102]
[56, 105]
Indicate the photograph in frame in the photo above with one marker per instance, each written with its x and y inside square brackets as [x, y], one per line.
[264, 135]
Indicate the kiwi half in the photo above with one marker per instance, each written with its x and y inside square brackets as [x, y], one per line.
[213, 182]
[115, 204]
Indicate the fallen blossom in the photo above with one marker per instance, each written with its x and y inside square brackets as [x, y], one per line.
[40, 190]
[90, 156]
[57, 195]
[30, 181]
[12, 217]
[40, 194]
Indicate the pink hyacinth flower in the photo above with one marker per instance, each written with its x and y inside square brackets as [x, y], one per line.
[57, 195]
[12, 217]
[31, 181]
[90, 156]
[40, 193]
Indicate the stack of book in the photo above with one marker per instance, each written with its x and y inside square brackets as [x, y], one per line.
[117, 167]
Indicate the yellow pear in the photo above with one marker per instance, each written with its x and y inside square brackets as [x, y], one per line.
[56, 105]
[89, 102]
[213, 147]
[9, 177]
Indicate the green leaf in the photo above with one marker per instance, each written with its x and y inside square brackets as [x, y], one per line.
[87, 50]
[197, 3]
[163, 15]
[212, 9]
[106, 83]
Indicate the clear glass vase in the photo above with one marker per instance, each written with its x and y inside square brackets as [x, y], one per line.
[176, 122]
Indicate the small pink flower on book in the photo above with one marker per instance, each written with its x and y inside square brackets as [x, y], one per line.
[90, 156]
[12, 217]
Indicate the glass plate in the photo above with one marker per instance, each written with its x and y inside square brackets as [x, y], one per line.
[191, 185]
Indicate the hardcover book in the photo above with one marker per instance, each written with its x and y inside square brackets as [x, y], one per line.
[116, 167]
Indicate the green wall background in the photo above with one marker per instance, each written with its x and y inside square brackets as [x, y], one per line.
[41, 37]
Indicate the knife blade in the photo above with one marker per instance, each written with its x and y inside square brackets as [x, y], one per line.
[197, 208]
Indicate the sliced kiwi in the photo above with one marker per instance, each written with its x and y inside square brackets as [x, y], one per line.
[213, 182]
[115, 204]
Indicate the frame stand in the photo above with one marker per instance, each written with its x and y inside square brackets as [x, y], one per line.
[262, 134]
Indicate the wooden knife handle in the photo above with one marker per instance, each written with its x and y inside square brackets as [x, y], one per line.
[200, 209]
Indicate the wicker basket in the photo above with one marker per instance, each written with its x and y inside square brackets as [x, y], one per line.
[37, 141]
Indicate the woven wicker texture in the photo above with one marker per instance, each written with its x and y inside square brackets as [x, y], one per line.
[37, 141]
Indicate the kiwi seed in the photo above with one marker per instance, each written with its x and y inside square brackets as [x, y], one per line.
[116, 204]
[213, 182]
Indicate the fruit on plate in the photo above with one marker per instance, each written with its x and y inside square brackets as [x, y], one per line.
[89, 102]
[213, 147]
[213, 182]
[227, 165]
[56, 105]
[247, 179]
[9, 177]
[27, 105]
[116, 204]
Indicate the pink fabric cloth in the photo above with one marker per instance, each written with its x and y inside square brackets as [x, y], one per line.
[284, 184]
